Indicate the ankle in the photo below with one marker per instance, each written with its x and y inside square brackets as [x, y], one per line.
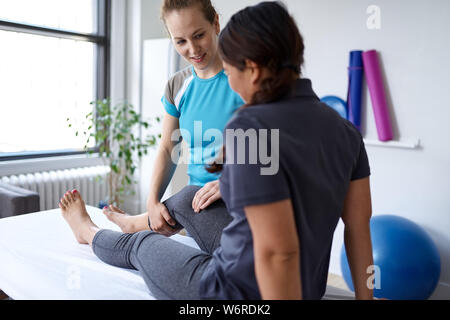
[140, 222]
[90, 233]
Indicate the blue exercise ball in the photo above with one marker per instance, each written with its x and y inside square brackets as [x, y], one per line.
[407, 262]
[336, 103]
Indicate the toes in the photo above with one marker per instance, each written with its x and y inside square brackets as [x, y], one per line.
[111, 214]
[75, 194]
[61, 205]
[68, 197]
[114, 208]
[107, 211]
[64, 202]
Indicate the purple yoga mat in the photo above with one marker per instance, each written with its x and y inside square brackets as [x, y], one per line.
[377, 93]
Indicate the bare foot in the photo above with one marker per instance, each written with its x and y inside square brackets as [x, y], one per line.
[74, 212]
[127, 223]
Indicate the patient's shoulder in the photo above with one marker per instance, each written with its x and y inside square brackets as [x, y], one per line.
[243, 120]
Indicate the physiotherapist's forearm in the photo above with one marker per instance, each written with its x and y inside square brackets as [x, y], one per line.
[278, 276]
[163, 171]
[358, 247]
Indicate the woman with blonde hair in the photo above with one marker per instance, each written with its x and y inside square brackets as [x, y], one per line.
[196, 99]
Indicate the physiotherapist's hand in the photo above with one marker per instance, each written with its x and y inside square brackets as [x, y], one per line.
[206, 196]
[160, 219]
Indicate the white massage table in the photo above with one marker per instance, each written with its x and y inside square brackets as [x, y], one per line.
[40, 259]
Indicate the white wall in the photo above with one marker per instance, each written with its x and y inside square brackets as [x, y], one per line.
[413, 43]
[152, 26]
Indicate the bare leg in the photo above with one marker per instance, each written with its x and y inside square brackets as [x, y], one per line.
[126, 222]
[74, 212]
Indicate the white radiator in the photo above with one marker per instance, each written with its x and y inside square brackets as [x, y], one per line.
[91, 182]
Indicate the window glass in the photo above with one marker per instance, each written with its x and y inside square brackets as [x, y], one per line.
[73, 15]
[43, 81]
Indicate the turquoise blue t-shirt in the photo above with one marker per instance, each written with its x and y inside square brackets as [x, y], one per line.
[204, 107]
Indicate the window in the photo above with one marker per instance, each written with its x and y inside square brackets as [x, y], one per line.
[53, 63]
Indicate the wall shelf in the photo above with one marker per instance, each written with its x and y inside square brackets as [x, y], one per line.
[410, 144]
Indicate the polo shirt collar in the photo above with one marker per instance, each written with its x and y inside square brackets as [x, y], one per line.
[303, 88]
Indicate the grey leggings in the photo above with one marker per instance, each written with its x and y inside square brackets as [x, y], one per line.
[170, 269]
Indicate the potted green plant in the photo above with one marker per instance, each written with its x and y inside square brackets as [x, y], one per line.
[116, 132]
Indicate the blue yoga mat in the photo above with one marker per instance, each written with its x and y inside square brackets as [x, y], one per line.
[355, 82]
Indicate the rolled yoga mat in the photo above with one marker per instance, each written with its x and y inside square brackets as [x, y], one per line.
[355, 82]
[377, 93]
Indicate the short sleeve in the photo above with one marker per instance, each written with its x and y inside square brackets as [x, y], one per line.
[168, 99]
[170, 108]
[251, 178]
[362, 168]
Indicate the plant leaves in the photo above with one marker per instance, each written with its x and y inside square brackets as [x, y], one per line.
[115, 168]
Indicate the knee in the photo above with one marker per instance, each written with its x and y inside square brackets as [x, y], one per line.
[183, 199]
[188, 192]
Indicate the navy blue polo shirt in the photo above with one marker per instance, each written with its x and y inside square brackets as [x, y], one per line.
[319, 154]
